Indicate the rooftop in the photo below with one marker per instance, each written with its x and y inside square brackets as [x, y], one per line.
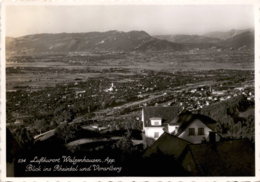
[155, 118]
[167, 114]
[185, 118]
[167, 144]
[230, 158]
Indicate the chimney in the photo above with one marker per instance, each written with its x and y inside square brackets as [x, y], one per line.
[212, 137]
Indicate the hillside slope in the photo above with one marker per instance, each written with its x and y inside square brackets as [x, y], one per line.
[188, 39]
[235, 39]
[226, 34]
[92, 41]
[243, 40]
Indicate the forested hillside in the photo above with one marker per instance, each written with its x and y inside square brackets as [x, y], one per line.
[235, 117]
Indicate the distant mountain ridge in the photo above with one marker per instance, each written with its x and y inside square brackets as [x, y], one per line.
[230, 39]
[127, 41]
[243, 40]
[188, 39]
[92, 41]
[228, 34]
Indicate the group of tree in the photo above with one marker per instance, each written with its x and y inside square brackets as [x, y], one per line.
[66, 131]
[230, 124]
[24, 137]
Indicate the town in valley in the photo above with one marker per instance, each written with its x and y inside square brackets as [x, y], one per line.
[138, 99]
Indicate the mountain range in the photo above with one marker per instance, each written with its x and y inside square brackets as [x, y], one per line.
[231, 39]
[127, 41]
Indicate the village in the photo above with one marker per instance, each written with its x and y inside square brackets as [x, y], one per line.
[101, 96]
[88, 109]
[78, 105]
[163, 128]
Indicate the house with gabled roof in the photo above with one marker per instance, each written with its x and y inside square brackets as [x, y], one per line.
[194, 128]
[168, 145]
[155, 119]
[222, 158]
[226, 158]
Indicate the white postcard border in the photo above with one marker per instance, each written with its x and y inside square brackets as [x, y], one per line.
[5, 3]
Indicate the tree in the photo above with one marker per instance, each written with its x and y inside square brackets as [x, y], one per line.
[125, 144]
[66, 131]
[24, 136]
[219, 128]
[128, 134]
[40, 125]
[103, 105]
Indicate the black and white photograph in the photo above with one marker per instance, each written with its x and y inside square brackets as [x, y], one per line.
[132, 90]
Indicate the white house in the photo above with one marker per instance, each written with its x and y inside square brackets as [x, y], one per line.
[155, 121]
[194, 128]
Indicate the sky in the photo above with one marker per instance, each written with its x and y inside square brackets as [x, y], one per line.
[154, 19]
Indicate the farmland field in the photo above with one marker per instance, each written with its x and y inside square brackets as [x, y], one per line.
[39, 73]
